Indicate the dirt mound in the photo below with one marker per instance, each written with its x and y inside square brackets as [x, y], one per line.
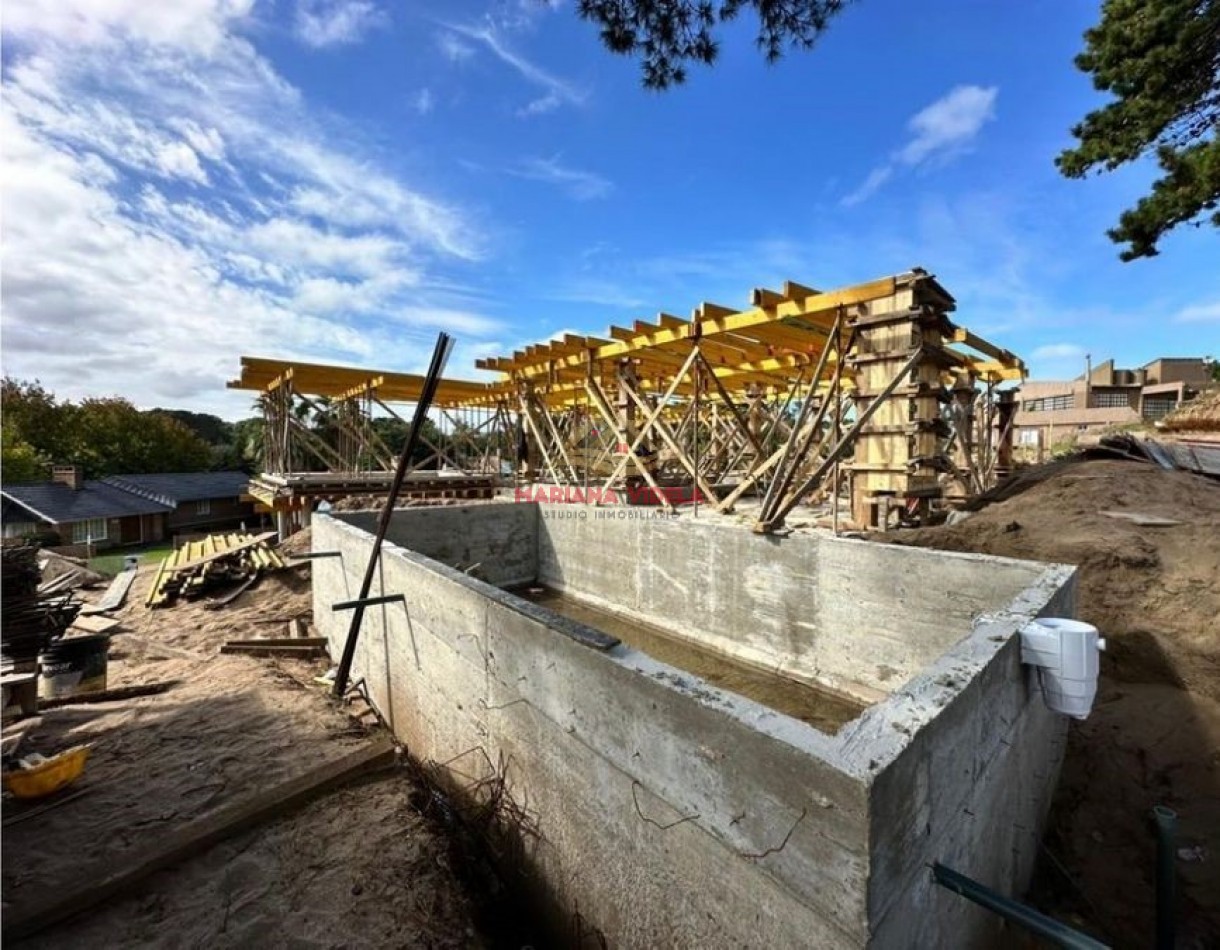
[1153, 590]
[1154, 734]
[1201, 414]
[298, 544]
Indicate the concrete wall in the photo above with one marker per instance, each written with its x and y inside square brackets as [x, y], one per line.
[844, 613]
[669, 812]
[501, 539]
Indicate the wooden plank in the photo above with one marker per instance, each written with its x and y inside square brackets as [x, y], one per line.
[203, 558]
[115, 594]
[279, 642]
[109, 695]
[94, 624]
[297, 649]
[102, 882]
[232, 595]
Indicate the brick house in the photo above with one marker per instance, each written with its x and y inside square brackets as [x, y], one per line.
[200, 502]
[81, 512]
[124, 510]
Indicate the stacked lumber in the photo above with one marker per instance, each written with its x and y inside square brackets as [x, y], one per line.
[219, 563]
[28, 620]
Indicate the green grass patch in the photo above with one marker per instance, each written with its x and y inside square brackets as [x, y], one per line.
[111, 562]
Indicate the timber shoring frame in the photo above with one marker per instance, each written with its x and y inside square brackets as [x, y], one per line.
[872, 381]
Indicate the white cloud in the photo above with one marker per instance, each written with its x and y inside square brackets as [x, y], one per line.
[196, 26]
[178, 160]
[1199, 313]
[292, 239]
[453, 48]
[949, 123]
[556, 91]
[939, 132]
[423, 101]
[876, 178]
[579, 184]
[323, 23]
[1059, 351]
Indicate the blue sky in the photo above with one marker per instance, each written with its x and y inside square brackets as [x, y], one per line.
[336, 180]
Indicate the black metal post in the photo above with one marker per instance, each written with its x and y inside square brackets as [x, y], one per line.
[440, 355]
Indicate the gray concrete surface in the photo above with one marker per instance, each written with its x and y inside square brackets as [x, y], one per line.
[669, 812]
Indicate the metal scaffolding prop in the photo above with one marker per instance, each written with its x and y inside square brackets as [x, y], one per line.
[869, 390]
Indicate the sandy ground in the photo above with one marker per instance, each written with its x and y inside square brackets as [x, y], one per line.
[1154, 734]
[359, 867]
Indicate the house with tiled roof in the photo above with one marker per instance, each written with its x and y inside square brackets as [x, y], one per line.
[124, 510]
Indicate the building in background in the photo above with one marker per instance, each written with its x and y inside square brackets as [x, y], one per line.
[79, 515]
[201, 502]
[1054, 411]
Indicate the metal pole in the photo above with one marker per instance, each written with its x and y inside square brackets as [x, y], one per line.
[1060, 934]
[444, 343]
[1166, 884]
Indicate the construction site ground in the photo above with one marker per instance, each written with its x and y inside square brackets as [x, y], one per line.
[365, 865]
[370, 865]
[1154, 733]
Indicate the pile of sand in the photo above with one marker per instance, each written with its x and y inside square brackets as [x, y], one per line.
[1154, 735]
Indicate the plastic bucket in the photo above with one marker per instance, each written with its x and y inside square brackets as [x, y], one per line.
[74, 666]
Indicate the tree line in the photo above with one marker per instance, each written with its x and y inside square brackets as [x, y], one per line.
[110, 436]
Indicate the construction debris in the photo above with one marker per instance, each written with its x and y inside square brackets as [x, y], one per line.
[31, 620]
[217, 563]
[1202, 458]
[60, 573]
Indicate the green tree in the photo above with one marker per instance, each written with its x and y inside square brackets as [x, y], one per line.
[113, 437]
[32, 415]
[20, 461]
[103, 436]
[246, 445]
[1161, 61]
[668, 34]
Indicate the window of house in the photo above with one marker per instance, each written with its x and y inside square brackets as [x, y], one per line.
[92, 530]
[203, 507]
[1106, 400]
[1067, 401]
[1029, 437]
[1033, 405]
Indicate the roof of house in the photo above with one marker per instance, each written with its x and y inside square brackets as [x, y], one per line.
[60, 504]
[173, 488]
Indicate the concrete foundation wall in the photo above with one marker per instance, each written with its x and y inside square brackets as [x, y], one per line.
[665, 816]
[668, 812]
[841, 612]
[501, 539]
